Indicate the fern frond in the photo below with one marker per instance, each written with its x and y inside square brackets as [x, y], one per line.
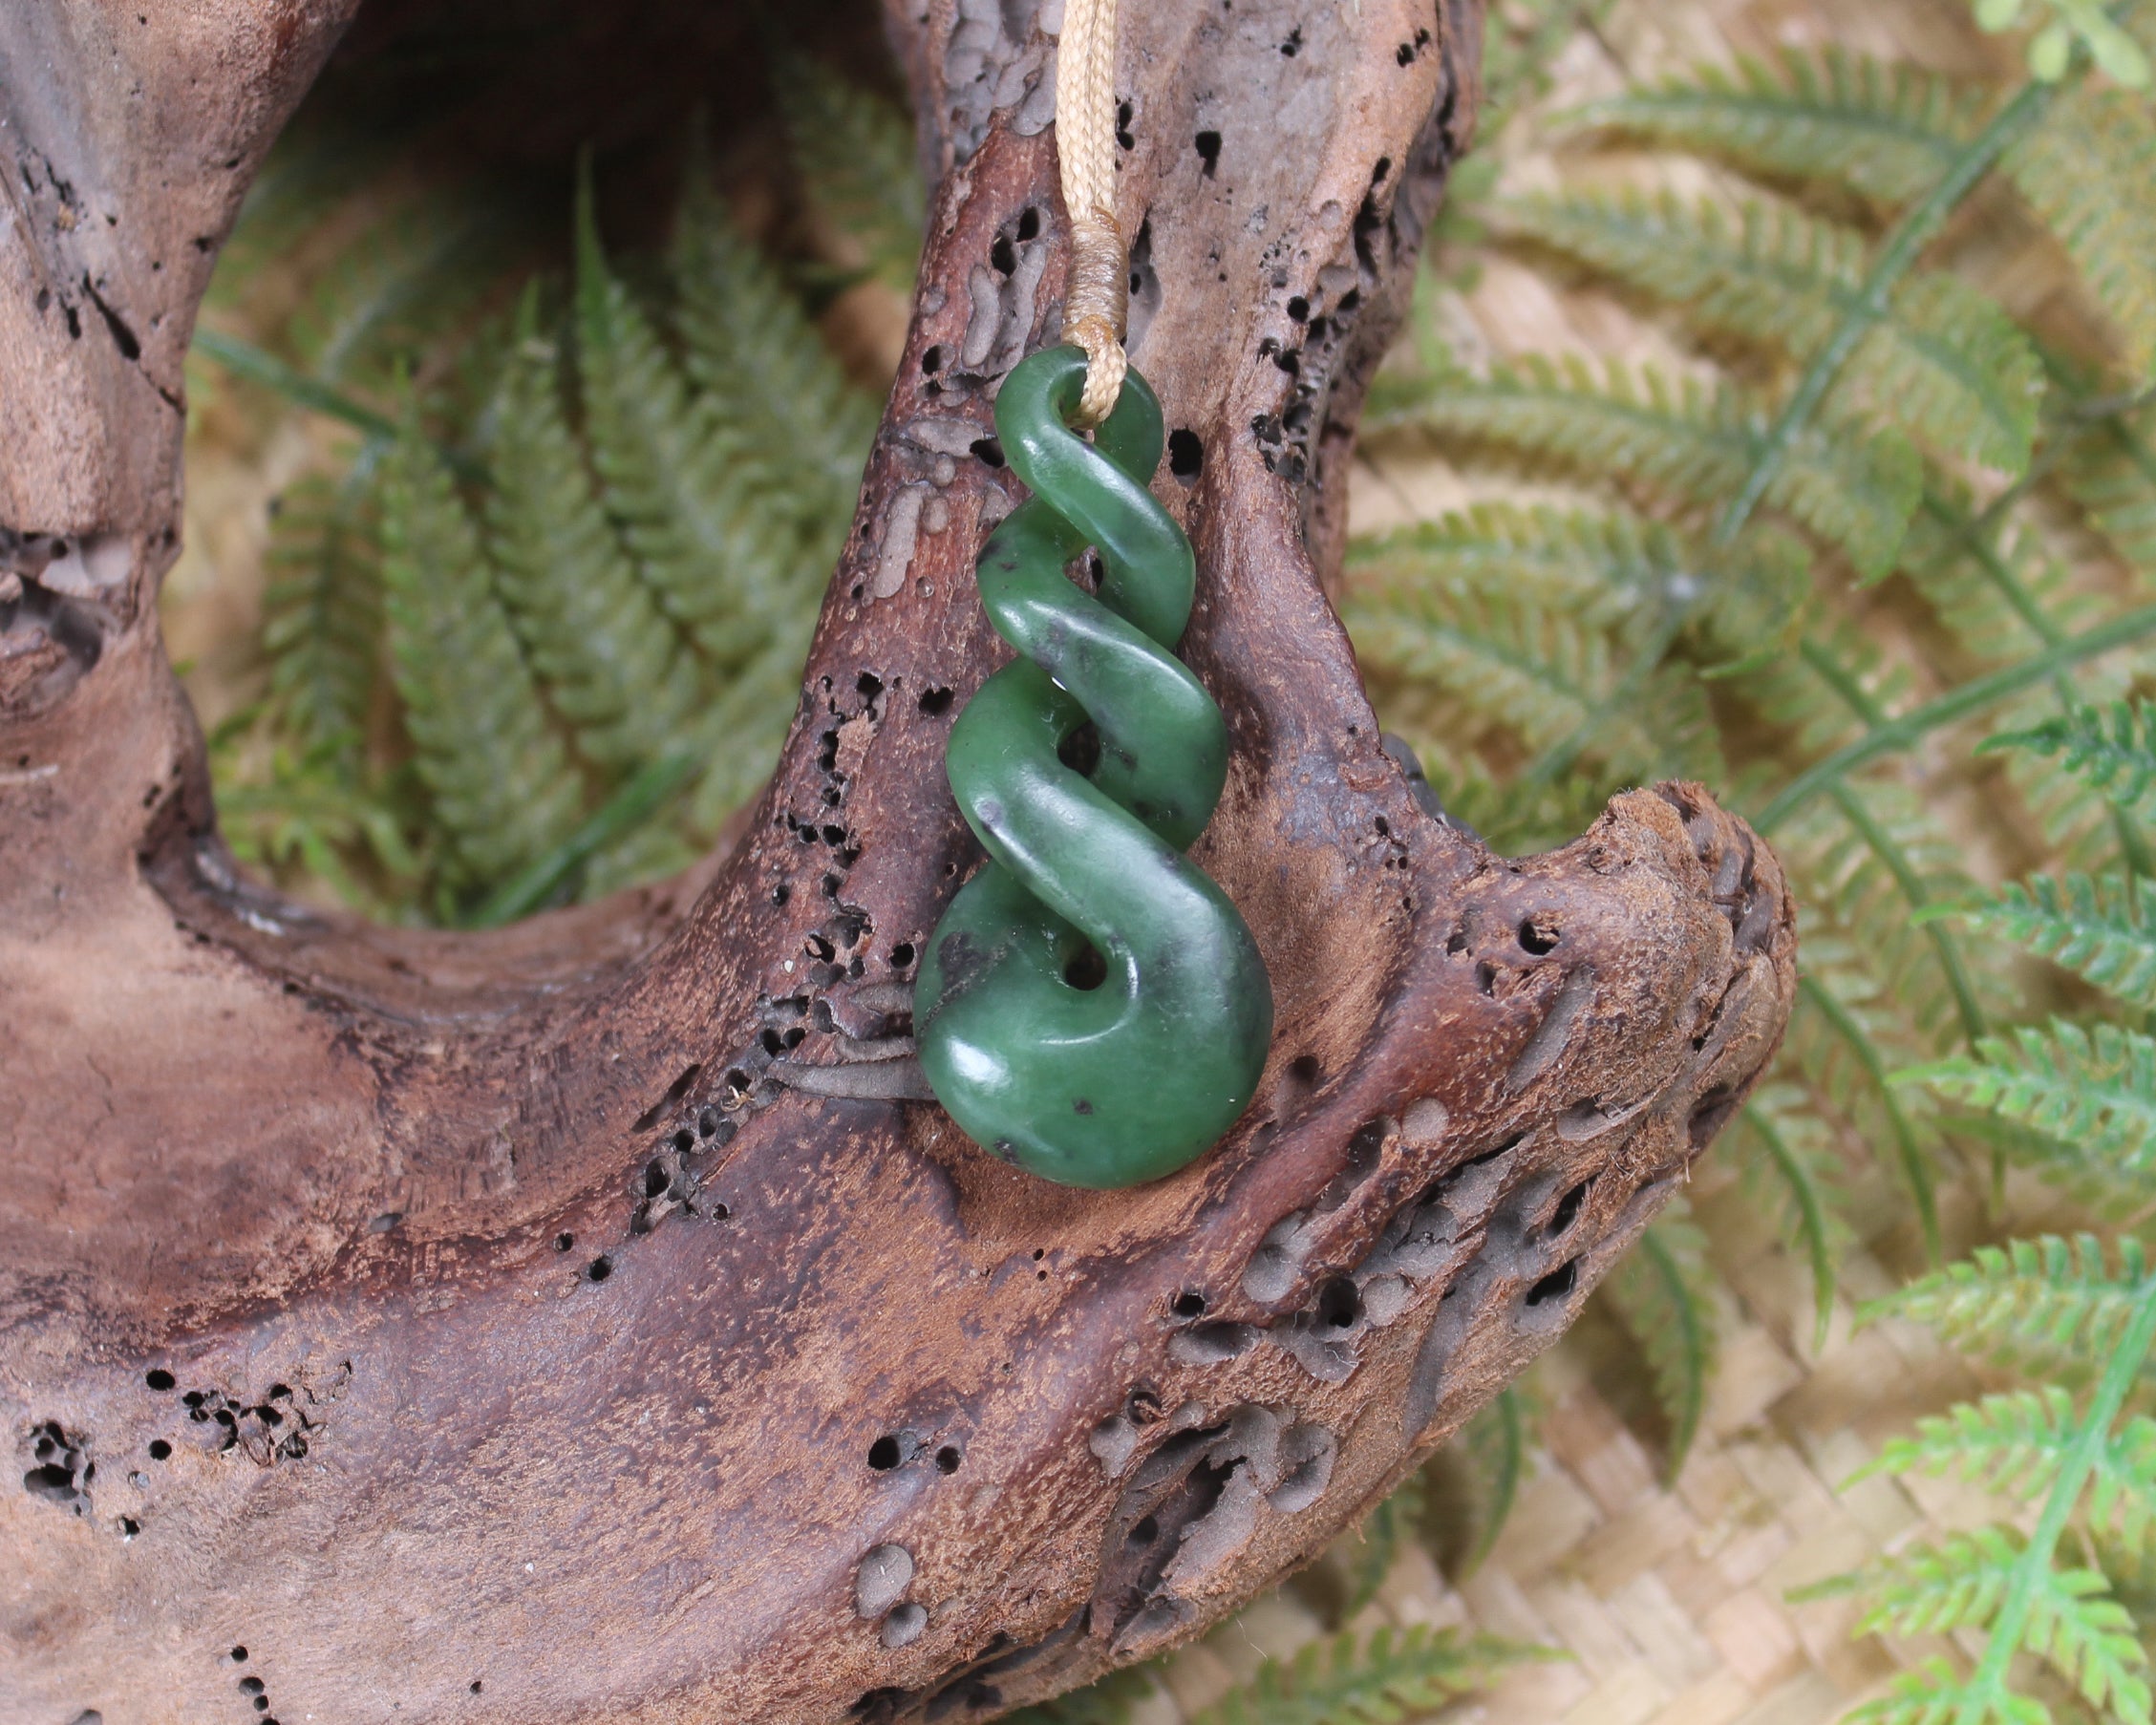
[1930, 1589]
[1532, 666]
[502, 787]
[2073, 1624]
[769, 379]
[1954, 370]
[1799, 1160]
[2093, 1087]
[322, 608]
[1662, 1292]
[1947, 365]
[1605, 566]
[2113, 749]
[1877, 851]
[2089, 1637]
[1840, 1045]
[2088, 169]
[2113, 49]
[855, 152]
[2009, 1444]
[2123, 1490]
[1934, 1694]
[2111, 471]
[2094, 929]
[1787, 693]
[1495, 1445]
[1675, 440]
[1886, 130]
[723, 560]
[1378, 1539]
[1356, 1680]
[2054, 1308]
[414, 272]
[612, 663]
[2016, 1444]
[738, 735]
[1999, 590]
[312, 813]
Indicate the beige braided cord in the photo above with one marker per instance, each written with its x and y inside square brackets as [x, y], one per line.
[1096, 304]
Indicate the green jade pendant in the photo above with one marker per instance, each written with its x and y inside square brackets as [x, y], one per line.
[1091, 1007]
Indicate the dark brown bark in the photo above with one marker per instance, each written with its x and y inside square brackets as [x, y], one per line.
[533, 1325]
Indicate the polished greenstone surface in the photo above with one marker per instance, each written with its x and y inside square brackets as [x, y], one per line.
[1133, 1076]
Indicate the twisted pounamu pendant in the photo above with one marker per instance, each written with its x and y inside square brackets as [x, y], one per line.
[1091, 1006]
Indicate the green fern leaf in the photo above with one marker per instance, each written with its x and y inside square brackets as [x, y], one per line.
[738, 736]
[769, 379]
[724, 560]
[2122, 1491]
[612, 663]
[2089, 171]
[1355, 1680]
[1604, 565]
[1661, 1291]
[2091, 928]
[1107, 1702]
[2092, 1087]
[855, 152]
[2010, 1444]
[502, 787]
[2113, 749]
[1887, 132]
[1931, 1590]
[2074, 1624]
[1947, 365]
[2111, 471]
[1935, 1695]
[1532, 669]
[1675, 440]
[1379, 1541]
[2051, 1307]
[2017, 1444]
[314, 814]
[1494, 1443]
[2087, 1636]
[322, 609]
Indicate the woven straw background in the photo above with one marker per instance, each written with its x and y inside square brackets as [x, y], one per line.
[1667, 1599]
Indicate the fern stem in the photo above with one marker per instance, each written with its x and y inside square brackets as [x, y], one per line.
[1856, 812]
[1972, 536]
[1559, 757]
[534, 885]
[1988, 1686]
[1870, 305]
[1906, 1146]
[1694, 1345]
[1852, 693]
[1504, 1480]
[257, 365]
[1895, 734]
[1818, 1247]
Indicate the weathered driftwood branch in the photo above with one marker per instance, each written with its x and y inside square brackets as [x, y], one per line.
[577, 1322]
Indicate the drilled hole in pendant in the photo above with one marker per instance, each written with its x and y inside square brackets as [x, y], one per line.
[1080, 751]
[1087, 969]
